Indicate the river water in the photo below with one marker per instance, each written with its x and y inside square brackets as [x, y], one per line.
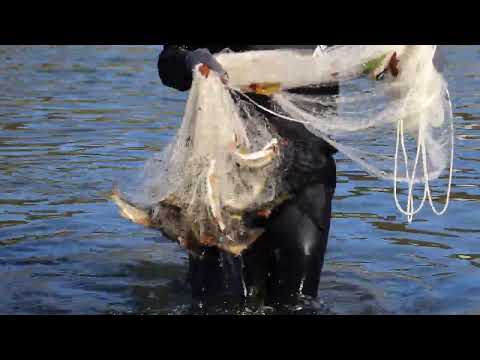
[75, 119]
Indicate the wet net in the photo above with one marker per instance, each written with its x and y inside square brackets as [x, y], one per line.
[393, 117]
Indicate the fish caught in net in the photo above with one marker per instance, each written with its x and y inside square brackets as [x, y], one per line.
[393, 117]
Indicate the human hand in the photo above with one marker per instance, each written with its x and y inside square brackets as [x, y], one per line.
[208, 63]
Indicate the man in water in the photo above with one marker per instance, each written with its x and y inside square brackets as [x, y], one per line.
[284, 266]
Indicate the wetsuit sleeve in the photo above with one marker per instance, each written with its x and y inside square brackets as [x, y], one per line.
[172, 67]
[172, 63]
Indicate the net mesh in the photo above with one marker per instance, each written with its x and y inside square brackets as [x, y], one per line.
[393, 118]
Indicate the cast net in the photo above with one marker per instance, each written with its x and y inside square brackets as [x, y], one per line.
[393, 117]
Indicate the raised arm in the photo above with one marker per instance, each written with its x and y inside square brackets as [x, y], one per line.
[176, 63]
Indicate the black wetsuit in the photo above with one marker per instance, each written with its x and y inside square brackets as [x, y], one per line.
[288, 259]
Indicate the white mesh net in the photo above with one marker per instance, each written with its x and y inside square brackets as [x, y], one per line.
[393, 117]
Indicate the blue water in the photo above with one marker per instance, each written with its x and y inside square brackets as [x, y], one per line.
[75, 119]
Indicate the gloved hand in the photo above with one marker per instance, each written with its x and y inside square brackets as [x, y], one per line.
[203, 56]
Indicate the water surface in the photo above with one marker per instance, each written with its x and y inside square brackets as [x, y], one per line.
[75, 119]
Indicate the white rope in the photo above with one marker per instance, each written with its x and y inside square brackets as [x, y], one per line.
[452, 159]
[410, 212]
[267, 109]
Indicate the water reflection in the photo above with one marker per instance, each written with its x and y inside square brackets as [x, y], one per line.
[75, 119]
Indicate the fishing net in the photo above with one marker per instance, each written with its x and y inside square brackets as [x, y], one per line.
[393, 118]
